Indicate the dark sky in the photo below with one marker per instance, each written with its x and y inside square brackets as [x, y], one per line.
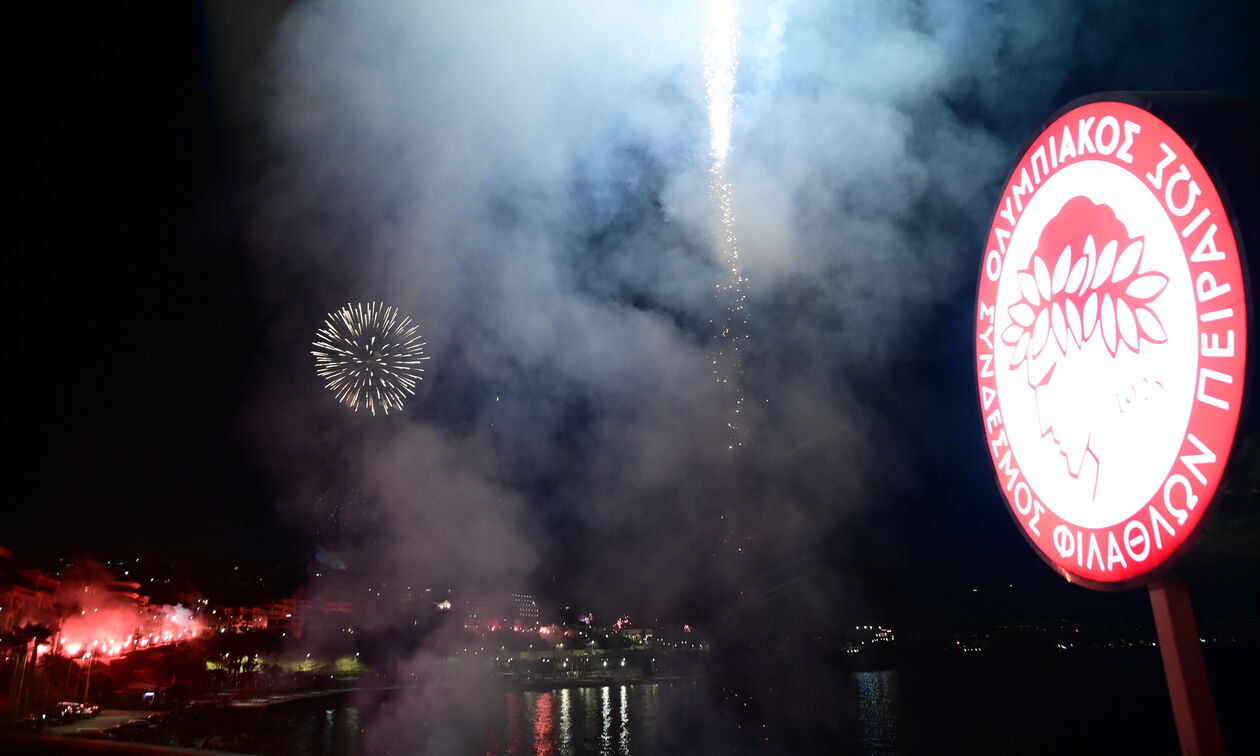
[178, 215]
[135, 297]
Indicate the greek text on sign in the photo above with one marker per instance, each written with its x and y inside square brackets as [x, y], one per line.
[1110, 343]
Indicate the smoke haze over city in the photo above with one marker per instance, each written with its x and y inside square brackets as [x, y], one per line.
[534, 184]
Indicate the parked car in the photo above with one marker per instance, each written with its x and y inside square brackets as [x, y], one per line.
[60, 714]
[138, 729]
[80, 710]
[31, 724]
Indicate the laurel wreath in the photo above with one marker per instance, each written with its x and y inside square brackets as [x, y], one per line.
[1095, 293]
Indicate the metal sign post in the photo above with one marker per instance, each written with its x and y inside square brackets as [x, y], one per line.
[1188, 687]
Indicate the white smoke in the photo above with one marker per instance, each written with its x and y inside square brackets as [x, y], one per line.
[530, 181]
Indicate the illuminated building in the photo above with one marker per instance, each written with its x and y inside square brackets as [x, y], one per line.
[638, 634]
[237, 619]
[526, 611]
[26, 595]
[869, 635]
[124, 590]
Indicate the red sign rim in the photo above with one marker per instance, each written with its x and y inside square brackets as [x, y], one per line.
[1140, 142]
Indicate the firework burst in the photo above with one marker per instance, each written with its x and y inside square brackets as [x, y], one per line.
[369, 356]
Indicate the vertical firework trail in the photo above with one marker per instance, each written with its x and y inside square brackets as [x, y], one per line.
[721, 57]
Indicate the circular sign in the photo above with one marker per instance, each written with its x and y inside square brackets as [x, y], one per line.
[1111, 333]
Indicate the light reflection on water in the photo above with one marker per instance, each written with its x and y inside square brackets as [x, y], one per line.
[625, 717]
[885, 713]
[572, 721]
[326, 732]
[879, 712]
[612, 720]
[544, 725]
[607, 720]
[566, 721]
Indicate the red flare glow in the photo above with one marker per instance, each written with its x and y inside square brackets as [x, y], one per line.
[115, 630]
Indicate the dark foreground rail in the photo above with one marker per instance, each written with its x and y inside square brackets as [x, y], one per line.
[59, 745]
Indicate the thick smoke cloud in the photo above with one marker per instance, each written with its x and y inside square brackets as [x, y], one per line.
[532, 185]
[531, 182]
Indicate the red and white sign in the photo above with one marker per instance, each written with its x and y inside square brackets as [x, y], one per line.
[1111, 333]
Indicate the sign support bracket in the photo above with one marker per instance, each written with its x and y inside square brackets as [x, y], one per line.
[1179, 646]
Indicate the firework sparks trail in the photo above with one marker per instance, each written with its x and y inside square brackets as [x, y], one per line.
[721, 58]
[369, 356]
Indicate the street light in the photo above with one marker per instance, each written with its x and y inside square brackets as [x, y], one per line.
[87, 681]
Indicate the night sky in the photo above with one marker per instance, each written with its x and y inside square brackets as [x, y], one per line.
[117, 251]
[194, 185]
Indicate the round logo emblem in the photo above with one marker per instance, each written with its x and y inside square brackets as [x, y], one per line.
[1110, 343]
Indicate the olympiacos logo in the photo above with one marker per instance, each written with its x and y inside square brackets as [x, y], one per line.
[1110, 343]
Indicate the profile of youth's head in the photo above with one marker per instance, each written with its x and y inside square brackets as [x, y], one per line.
[1086, 305]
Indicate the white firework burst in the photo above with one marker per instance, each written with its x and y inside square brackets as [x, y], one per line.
[369, 356]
